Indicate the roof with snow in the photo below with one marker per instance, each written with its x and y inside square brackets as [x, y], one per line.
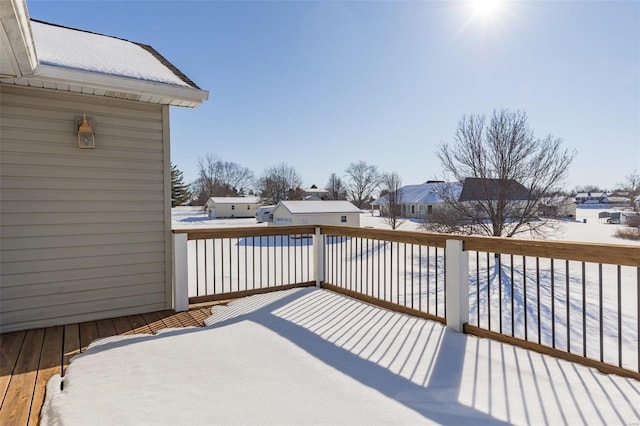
[60, 58]
[234, 200]
[424, 193]
[619, 199]
[314, 207]
[86, 51]
[315, 191]
[492, 189]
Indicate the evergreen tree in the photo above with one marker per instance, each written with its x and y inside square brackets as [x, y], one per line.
[180, 193]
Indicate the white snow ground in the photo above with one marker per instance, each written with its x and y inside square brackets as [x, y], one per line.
[594, 230]
[310, 356]
[314, 357]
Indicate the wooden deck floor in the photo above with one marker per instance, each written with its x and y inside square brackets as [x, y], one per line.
[29, 358]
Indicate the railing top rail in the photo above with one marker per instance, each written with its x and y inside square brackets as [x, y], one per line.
[615, 254]
[409, 237]
[245, 231]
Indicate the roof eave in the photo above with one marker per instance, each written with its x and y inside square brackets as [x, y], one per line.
[116, 86]
[16, 38]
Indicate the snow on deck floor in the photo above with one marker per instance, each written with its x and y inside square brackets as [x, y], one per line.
[310, 356]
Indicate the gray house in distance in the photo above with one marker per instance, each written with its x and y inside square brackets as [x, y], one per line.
[416, 201]
[85, 198]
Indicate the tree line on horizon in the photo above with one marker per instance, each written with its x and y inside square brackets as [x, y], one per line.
[218, 178]
[501, 147]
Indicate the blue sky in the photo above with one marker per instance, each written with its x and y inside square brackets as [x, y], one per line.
[319, 85]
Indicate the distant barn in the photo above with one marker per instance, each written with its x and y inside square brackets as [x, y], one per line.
[232, 206]
[316, 213]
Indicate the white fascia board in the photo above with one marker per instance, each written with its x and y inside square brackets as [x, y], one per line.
[192, 96]
[16, 36]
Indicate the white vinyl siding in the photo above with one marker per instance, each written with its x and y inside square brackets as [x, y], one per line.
[284, 217]
[83, 232]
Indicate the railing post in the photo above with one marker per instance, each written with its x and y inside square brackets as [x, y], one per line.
[457, 279]
[180, 273]
[318, 257]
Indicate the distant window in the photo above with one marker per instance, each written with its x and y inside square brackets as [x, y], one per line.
[233, 207]
[248, 207]
[343, 219]
[429, 209]
[413, 209]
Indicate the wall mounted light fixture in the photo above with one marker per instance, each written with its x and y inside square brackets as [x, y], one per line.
[86, 135]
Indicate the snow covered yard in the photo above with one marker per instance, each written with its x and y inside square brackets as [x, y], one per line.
[559, 307]
[594, 230]
[310, 356]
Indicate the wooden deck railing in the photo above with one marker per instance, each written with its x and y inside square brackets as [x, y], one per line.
[577, 301]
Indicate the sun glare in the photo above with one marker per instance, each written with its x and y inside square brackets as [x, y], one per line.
[486, 8]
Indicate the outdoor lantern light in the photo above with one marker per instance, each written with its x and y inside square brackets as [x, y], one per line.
[86, 137]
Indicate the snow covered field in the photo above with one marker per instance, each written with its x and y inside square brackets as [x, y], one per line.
[593, 230]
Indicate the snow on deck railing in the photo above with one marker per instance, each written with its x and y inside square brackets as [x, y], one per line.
[577, 301]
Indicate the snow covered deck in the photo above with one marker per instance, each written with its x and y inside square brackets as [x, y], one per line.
[302, 356]
[28, 359]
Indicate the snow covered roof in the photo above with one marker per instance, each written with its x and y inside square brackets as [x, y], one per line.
[424, 193]
[74, 60]
[310, 207]
[619, 199]
[233, 200]
[492, 189]
[82, 50]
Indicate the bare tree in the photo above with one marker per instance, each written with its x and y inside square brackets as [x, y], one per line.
[445, 219]
[632, 185]
[278, 182]
[391, 207]
[336, 188]
[364, 179]
[217, 178]
[587, 188]
[512, 170]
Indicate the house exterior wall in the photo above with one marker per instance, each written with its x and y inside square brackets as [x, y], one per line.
[234, 209]
[412, 210]
[85, 233]
[282, 216]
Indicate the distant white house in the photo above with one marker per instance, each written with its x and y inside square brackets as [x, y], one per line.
[232, 206]
[315, 194]
[600, 199]
[591, 198]
[316, 213]
[637, 202]
[417, 200]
